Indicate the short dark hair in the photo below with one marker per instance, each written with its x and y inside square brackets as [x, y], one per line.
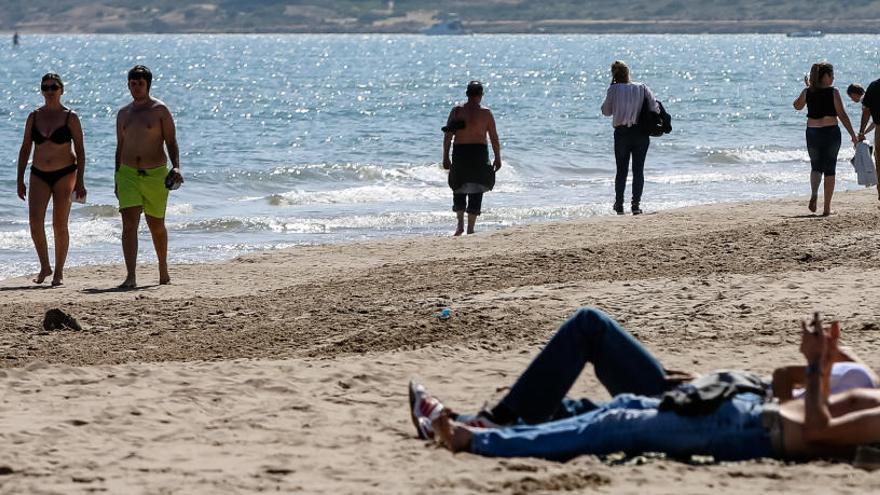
[141, 72]
[474, 88]
[855, 88]
[51, 76]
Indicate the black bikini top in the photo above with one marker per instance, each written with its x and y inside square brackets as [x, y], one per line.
[60, 135]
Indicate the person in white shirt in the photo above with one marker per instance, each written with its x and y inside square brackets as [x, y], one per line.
[623, 102]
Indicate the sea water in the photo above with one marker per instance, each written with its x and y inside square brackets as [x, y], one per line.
[302, 139]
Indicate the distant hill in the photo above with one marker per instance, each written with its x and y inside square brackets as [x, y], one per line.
[411, 16]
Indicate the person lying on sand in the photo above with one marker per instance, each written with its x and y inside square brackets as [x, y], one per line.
[743, 425]
[622, 365]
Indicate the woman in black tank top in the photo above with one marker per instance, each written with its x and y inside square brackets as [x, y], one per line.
[824, 108]
[55, 136]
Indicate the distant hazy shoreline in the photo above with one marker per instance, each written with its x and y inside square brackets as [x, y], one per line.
[567, 26]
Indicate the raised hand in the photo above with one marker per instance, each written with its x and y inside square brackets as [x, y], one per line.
[814, 339]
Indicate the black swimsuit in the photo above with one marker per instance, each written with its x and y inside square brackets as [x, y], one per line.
[60, 135]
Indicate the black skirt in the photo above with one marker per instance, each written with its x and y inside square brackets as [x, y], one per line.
[470, 163]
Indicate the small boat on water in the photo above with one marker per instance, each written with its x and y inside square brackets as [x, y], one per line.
[451, 26]
[805, 34]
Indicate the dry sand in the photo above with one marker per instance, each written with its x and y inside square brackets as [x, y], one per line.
[287, 370]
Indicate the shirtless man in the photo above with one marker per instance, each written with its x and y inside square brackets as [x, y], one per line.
[144, 128]
[470, 174]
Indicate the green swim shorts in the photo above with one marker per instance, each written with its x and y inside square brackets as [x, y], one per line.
[142, 187]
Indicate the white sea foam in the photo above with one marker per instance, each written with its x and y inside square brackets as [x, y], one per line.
[85, 233]
[179, 209]
[359, 194]
[765, 155]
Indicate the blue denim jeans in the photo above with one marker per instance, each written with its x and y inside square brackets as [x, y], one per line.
[621, 363]
[633, 424]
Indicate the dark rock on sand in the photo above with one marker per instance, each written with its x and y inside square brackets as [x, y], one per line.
[56, 319]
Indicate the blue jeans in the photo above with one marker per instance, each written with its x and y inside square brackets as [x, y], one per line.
[633, 424]
[630, 142]
[589, 336]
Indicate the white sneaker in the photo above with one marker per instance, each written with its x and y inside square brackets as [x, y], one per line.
[424, 409]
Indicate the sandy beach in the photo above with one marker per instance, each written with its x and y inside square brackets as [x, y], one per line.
[287, 370]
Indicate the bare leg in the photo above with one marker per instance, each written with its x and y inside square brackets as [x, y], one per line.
[454, 436]
[61, 196]
[472, 220]
[829, 192]
[815, 180]
[460, 229]
[38, 202]
[160, 242]
[131, 218]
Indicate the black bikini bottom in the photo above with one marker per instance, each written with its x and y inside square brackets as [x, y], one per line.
[54, 176]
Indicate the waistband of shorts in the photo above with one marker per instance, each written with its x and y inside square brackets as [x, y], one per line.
[825, 127]
[771, 420]
[470, 146]
[155, 171]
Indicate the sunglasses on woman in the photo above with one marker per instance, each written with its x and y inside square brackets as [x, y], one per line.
[50, 87]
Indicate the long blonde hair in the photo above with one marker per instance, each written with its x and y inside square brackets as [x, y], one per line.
[817, 72]
[619, 72]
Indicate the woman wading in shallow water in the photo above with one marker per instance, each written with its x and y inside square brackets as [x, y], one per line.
[54, 133]
[824, 107]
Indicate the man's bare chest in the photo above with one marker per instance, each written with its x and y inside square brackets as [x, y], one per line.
[142, 123]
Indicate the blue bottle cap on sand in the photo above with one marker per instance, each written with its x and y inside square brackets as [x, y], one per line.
[444, 313]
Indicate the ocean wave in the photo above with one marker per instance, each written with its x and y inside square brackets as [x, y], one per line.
[96, 211]
[337, 172]
[179, 209]
[358, 195]
[249, 224]
[745, 176]
[82, 234]
[750, 155]
[763, 155]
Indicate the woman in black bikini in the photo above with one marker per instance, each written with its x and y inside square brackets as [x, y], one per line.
[57, 173]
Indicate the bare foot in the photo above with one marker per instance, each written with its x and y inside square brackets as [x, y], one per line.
[164, 279]
[812, 205]
[458, 232]
[454, 436]
[827, 213]
[129, 283]
[57, 281]
[41, 277]
[470, 232]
